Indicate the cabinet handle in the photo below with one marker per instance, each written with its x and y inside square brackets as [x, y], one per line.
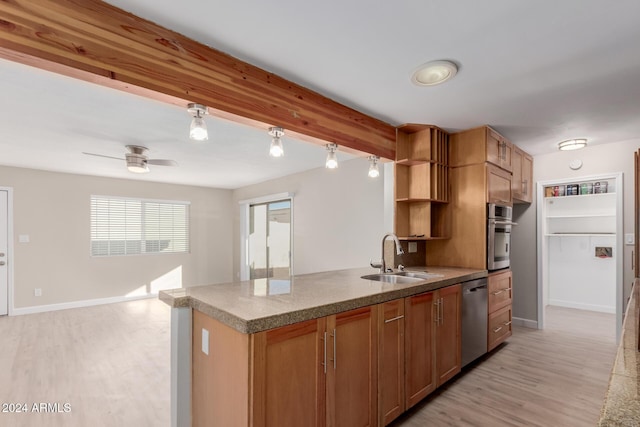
[437, 319]
[507, 323]
[334, 349]
[325, 352]
[394, 319]
[497, 292]
[497, 329]
[441, 311]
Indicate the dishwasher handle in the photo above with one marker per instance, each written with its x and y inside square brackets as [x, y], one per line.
[475, 289]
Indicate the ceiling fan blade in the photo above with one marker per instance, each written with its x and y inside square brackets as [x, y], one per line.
[162, 162]
[102, 155]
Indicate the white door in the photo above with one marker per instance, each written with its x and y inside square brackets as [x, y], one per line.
[4, 248]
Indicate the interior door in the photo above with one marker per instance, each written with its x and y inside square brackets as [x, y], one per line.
[4, 248]
[270, 240]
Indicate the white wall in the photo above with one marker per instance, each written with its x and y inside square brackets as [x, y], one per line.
[597, 160]
[53, 209]
[338, 216]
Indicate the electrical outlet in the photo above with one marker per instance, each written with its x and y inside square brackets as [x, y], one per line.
[23, 238]
[37, 292]
[413, 247]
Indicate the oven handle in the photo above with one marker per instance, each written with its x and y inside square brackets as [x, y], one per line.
[493, 221]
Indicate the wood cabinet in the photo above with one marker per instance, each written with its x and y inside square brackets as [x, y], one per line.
[522, 179]
[448, 324]
[479, 145]
[432, 341]
[314, 373]
[421, 183]
[500, 290]
[391, 377]
[420, 344]
[498, 186]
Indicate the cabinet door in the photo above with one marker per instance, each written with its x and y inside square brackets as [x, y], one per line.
[494, 147]
[419, 347]
[506, 161]
[527, 178]
[391, 361]
[498, 186]
[500, 290]
[288, 375]
[448, 344]
[352, 368]
[499, 327]
[517, 189]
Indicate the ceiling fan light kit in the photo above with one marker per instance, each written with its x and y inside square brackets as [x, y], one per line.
[198, 128]
[572, 144]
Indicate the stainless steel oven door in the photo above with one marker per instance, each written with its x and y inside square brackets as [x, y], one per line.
[498, 244]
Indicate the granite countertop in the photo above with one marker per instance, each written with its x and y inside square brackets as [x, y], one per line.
[257, 305]
[622, 404]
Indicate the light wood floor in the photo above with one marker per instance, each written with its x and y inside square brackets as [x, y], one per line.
[111, 364]
[551, 378]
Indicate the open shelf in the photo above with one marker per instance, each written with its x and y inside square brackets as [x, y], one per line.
[422, 183]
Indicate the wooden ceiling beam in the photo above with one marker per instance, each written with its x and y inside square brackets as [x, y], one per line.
[94, 41]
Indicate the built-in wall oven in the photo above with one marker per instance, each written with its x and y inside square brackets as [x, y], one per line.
[499, 222]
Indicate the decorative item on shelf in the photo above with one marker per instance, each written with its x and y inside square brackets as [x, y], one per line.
[332, 158]
[198, 128]
[374, 170]
[276, 149]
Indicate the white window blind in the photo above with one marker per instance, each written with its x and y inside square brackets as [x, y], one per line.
[121, 226]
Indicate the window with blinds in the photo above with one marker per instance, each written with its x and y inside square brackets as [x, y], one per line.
[122, 226]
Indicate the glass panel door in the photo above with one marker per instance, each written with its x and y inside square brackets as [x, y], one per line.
[270, 240]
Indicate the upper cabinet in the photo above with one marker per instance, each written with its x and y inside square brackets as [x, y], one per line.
[422, 183]
[522, 180]
[481, 144]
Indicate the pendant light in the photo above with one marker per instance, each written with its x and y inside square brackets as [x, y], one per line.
[276, 149]
[332, 158]
[374, 170]
[198, 128]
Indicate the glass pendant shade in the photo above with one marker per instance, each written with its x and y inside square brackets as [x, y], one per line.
[198, 129]
[374, 170]
[332, 159]
[276, 149]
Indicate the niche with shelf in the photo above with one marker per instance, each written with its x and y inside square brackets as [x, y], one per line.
[588, 214]
[422, 183]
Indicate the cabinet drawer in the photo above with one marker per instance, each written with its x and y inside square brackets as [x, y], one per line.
[500, 291]
[499, 327]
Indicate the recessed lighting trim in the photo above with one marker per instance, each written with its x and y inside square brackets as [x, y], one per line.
[434, 73]
[572, 144]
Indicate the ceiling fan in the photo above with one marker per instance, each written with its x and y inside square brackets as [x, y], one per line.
[137, 160]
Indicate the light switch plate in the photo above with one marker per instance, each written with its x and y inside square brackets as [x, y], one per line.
[628, 239]
[23, 238]
[205, 341]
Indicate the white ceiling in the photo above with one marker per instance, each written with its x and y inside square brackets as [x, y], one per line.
[539, 72]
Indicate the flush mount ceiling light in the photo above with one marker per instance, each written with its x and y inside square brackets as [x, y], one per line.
[374, 171]
[198, 128]
[276, 149]
[332, 158]
[434, 73]
[572, 144]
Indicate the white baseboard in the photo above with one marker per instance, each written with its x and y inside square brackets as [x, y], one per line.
[77, 304]
[581, 306]
[518, 321]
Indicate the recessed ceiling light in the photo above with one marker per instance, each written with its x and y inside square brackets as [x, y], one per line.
[434, 73]
[572, 144]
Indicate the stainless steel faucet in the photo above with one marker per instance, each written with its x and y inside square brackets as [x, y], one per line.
[381, 265]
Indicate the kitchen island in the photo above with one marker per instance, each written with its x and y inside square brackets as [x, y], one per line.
[221, 334]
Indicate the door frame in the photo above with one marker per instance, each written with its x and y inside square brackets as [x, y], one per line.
[10, 249]
[541, 243]
[244, 229]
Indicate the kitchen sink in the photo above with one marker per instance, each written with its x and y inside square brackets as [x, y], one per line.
[401, 277]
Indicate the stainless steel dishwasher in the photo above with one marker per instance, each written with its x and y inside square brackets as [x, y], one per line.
[474, 320]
